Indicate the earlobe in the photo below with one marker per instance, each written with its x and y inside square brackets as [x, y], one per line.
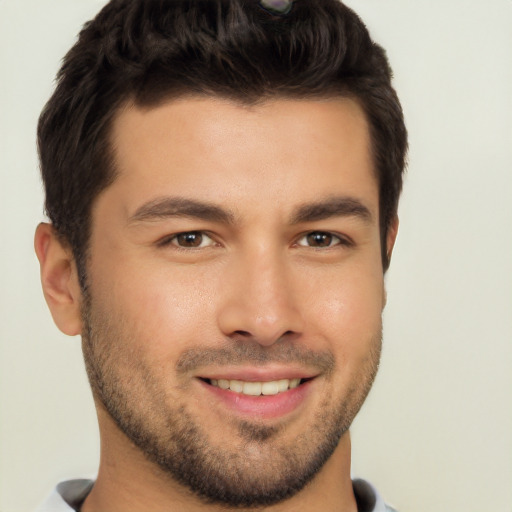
[59, 279]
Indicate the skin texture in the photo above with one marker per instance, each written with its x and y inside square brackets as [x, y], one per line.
[264, 285]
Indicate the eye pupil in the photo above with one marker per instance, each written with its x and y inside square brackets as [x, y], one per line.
[319, 239]
[192, 239]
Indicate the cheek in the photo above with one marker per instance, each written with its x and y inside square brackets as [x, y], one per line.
[164, 309]
[347, 309]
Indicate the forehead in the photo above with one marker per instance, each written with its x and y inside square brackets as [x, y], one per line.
[219, 150]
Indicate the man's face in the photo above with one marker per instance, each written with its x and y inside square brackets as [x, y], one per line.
[232, 325]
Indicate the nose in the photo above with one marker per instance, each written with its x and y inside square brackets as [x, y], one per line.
[260, 300]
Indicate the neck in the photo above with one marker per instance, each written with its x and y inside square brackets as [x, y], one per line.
[128, 482]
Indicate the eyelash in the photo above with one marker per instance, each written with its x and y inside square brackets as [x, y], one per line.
[338, 239]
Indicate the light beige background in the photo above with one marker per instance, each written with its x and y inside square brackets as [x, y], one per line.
[436, 432]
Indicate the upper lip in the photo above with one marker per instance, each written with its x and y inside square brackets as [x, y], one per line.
[258, 374]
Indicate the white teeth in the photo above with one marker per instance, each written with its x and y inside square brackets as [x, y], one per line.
[256, 388]
[236, 385]
[223, 384]
[252, 388]
[283, 384]
[294, 383]
[270, 388]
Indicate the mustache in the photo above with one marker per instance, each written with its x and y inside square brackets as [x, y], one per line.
[251, 353]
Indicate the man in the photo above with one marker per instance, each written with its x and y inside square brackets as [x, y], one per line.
[222, 181]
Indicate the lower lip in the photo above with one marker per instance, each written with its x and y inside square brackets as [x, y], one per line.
[262, 406]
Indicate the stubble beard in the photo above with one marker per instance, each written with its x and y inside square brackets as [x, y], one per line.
[261, 467]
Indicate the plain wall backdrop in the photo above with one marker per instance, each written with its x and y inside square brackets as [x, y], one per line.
[436, 432]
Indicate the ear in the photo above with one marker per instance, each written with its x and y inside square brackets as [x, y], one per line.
[392, 232]
[391, 237]
[59, 279]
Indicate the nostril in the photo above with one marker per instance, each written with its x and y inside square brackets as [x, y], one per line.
[245, 334]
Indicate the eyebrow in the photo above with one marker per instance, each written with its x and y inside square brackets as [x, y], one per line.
[332, 207]
[165, 207]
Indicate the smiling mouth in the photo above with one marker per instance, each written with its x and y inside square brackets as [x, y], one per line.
[249, 388]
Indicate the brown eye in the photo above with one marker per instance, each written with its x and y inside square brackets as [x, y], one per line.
[319, 239]
[190, 239]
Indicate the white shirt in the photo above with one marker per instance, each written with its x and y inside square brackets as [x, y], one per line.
[68, 496]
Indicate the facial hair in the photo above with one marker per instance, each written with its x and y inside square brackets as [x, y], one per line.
[259, 466]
